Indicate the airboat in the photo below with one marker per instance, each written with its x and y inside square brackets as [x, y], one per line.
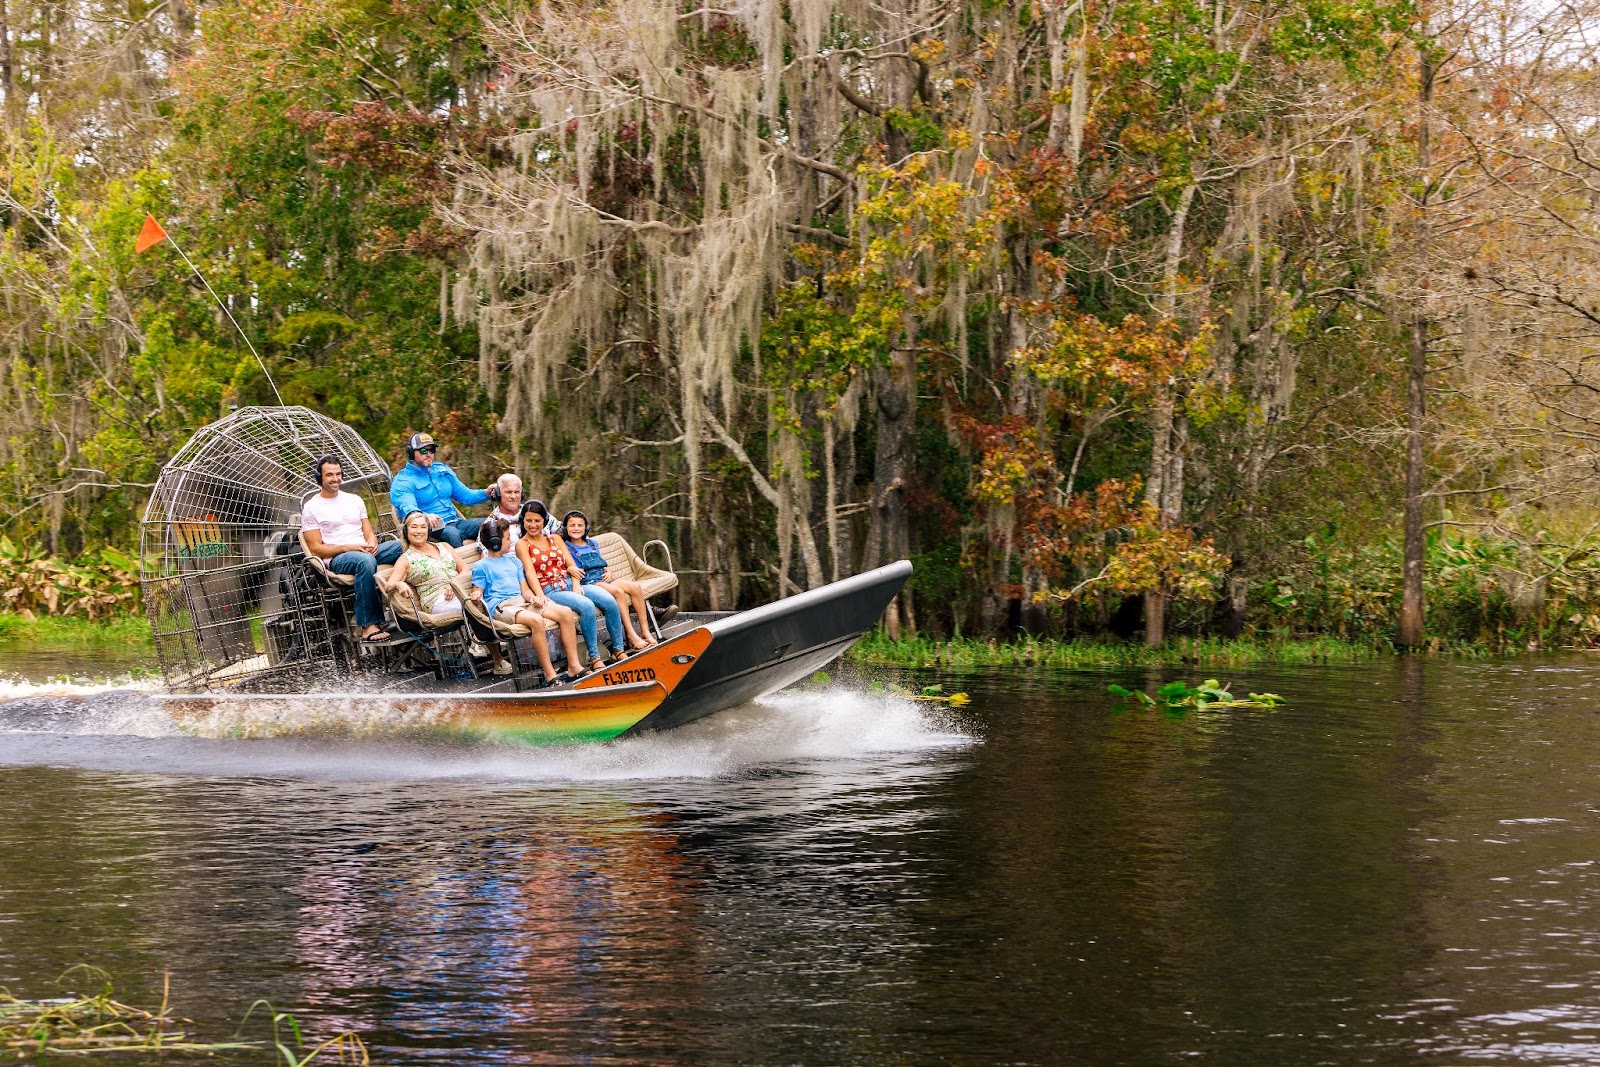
[244, 617]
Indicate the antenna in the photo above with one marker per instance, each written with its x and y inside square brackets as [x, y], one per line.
[154, 234]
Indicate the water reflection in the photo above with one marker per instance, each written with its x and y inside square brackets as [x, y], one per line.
[1398, 866]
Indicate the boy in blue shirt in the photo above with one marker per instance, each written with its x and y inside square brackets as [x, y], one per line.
[428, 485]
[498, 582]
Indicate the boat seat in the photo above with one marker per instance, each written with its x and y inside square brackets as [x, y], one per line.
[624, 564]
[481, 617]
[320, 565]
[406, 610]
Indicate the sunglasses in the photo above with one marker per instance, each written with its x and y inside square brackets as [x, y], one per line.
[426, 450]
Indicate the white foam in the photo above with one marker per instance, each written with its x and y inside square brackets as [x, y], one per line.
[111, 728]
[829, 724]
[13, 688]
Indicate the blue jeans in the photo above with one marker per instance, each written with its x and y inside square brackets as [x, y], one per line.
[369, 605]
[586, 616]
[456, 531]
[389, 551]
[608, 607]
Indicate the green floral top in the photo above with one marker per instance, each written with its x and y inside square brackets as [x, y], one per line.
[428, 575]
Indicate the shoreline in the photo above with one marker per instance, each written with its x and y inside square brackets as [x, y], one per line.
[132, 632]
[1088, 653]
[74, 632]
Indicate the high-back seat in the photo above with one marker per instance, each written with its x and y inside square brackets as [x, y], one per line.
[624, 564]
[320, 565]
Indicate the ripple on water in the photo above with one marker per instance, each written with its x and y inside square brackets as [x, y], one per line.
[1397, 866]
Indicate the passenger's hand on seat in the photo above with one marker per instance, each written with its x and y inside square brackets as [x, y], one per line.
[434, 522]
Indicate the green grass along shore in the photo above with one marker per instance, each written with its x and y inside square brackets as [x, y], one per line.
[132, 632]
[71, 631]
[879, 650]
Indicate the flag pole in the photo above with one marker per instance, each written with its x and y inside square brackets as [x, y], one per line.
[158, 233]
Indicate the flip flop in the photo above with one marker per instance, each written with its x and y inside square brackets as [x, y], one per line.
[377, 637]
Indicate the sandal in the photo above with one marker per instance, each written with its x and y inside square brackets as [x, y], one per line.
[377, 637]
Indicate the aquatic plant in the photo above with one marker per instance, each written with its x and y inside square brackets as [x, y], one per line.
[348, 1047]
[878, 649]
[1208, 694]
[99, 1023]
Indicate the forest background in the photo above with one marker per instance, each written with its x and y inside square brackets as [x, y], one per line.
[1115, 316]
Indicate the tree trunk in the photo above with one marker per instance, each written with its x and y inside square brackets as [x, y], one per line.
[1410, 631]
[890, 536]
[182, 28]
[8, 83]
[1169, 433]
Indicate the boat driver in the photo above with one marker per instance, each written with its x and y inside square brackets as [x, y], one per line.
[337, 529]
[428, 485]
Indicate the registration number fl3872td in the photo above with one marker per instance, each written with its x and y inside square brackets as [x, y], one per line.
[625, 677]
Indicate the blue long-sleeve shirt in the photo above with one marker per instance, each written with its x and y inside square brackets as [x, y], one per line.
[435, 490]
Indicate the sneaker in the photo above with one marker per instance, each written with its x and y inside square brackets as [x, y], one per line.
[501, 668]
[667, 615]
[477, 649]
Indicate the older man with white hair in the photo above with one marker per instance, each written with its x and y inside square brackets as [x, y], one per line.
[508, 508]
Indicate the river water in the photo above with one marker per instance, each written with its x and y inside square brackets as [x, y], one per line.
[1400, 865]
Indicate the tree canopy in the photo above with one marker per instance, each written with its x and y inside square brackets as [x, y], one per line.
[1086, 307]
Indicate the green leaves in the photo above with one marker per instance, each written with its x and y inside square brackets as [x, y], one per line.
[97, 586]
[1177, 694]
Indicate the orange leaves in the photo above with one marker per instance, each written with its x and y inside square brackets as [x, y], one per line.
[1169, 558]
[1083, 354]
[1014, 463]
[1060, 537]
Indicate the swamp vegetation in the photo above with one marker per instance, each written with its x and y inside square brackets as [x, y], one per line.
[84, 1024]
[1167, 318]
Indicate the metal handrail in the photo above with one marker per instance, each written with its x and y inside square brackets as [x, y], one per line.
[643, 551]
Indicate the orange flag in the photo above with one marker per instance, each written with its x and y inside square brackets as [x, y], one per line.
[152, 234]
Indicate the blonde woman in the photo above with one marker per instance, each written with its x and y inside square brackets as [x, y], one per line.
[425, 574]
[425, 569]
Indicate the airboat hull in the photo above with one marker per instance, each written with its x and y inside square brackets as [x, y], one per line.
[563, 716]
[598, 708]
[756, 652]
[735, 658]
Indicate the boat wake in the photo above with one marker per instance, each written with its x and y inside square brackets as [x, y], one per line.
[123, 726]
